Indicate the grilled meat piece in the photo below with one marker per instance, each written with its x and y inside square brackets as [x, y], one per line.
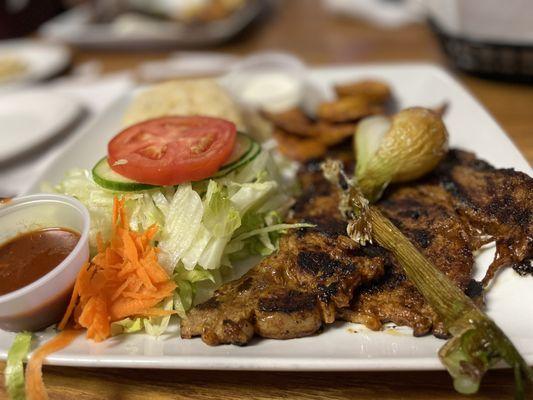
[434, 228]
[294, 292]
[319, 269]
[496, 202]
[319, 274]
[447, 216]
[439, 233]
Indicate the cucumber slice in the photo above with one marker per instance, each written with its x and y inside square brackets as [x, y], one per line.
[243, 145]
[245, 159]
[104, 176]
[245, 150]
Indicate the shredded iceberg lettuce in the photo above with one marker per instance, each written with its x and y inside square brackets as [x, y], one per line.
[79, 184]
[127, 325]
[154, 326]
[186, 280]
[203, 226]
[182, 222]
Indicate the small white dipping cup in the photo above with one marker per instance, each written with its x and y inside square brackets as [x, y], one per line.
[267, 81]
[43, 302]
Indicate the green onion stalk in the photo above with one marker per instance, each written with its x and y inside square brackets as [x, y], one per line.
[14, 370]
[399, 149]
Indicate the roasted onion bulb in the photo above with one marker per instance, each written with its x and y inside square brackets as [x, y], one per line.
[401, 148]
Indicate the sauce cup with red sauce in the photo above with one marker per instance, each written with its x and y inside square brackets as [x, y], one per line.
[44, 242]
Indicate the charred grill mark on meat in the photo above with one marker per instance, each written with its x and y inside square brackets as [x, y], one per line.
[524, 268]
[331, 227]
[288, 302]
[319, 264]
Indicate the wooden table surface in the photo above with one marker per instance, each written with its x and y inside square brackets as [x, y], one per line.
[305, 29]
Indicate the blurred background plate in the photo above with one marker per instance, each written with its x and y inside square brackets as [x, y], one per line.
[30, 118]
[133, 30]
[38, 61]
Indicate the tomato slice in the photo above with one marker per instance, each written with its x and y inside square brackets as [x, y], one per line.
[171, 150]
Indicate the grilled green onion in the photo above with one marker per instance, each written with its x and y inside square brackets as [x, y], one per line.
[477, 342]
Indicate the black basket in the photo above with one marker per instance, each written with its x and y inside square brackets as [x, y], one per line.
[489, 60]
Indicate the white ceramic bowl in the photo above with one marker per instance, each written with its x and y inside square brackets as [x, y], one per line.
[42, 302]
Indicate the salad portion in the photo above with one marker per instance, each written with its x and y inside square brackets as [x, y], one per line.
[208, 195]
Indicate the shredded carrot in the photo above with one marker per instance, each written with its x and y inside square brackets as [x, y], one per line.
[123, 279]
[71, 304]
[35, 389]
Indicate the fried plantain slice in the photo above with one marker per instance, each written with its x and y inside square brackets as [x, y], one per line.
[333, 134]
[375, 92]
[298, 148]
[348, 109]
[293, 121]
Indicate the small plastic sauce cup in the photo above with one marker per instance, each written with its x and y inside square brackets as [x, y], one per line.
[268, 81]
[43, 302]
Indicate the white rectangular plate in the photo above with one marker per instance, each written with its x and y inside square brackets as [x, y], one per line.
[342, 346]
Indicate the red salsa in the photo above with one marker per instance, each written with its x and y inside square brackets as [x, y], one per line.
[29, 256]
